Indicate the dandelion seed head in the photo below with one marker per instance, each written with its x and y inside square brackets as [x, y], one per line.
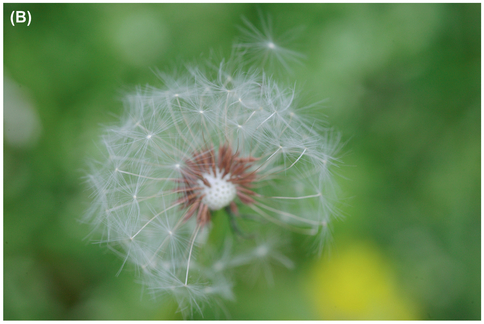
[191, 150]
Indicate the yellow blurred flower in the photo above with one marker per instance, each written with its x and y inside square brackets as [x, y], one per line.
[356, 283]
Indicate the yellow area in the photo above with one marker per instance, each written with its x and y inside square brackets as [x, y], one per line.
[356, 283]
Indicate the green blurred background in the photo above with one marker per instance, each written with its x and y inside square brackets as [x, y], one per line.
[403, 86]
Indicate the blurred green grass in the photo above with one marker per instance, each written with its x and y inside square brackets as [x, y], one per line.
[403, 83]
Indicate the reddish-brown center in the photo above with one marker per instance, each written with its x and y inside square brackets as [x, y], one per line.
[198, 176]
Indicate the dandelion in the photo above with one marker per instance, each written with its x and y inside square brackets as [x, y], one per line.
[227, 144]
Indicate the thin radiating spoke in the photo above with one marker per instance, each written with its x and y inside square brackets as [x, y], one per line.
[310, 231]
[302, 197]
[154, 217]
[190, 253]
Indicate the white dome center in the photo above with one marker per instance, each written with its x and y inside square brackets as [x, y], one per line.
[221, 192]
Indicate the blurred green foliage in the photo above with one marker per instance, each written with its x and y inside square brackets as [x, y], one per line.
[403, 83]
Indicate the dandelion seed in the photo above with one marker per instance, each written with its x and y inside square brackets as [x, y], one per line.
[262, 47]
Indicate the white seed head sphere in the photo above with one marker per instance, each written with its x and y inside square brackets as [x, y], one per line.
[220, 193]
